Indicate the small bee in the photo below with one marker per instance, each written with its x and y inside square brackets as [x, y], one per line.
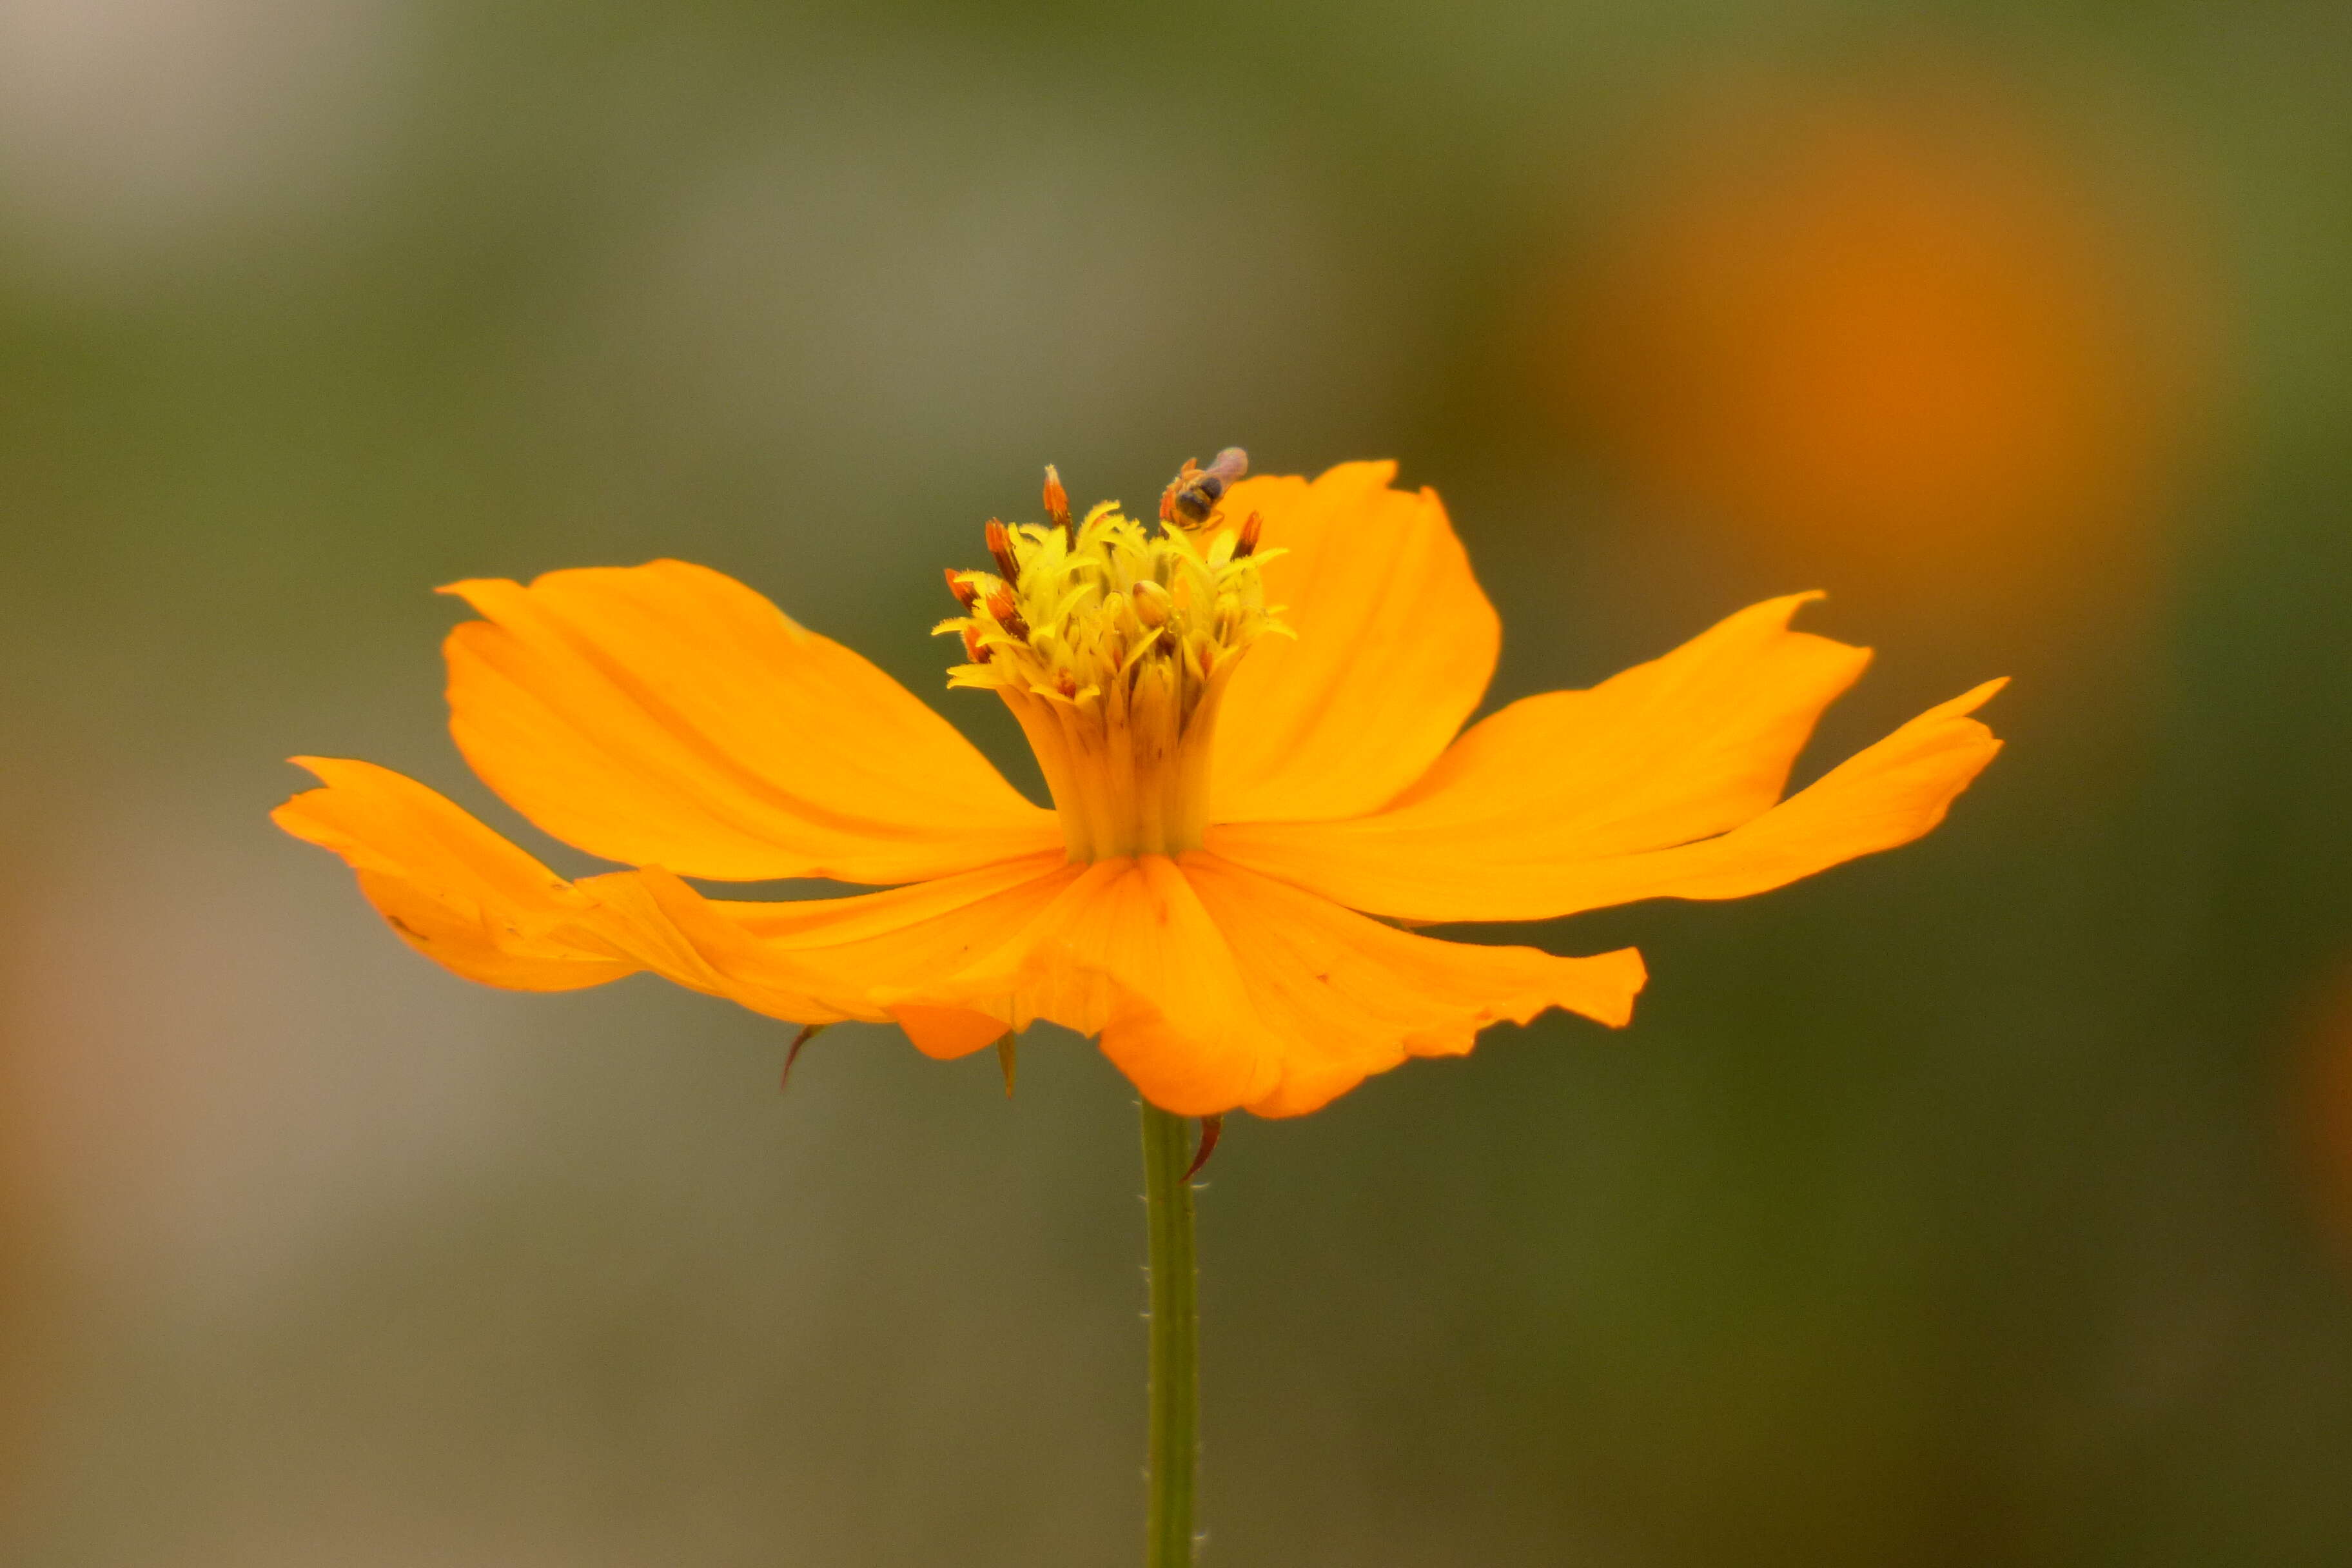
[1187, 503]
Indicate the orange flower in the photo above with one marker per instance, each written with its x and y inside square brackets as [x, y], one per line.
[1249, 727]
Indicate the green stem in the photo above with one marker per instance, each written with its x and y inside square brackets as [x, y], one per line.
[1175, 1387]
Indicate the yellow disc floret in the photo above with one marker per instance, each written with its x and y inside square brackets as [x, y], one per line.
[1112, 643]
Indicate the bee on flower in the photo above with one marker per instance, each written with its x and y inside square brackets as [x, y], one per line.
[1251, 720]
[1191, 499]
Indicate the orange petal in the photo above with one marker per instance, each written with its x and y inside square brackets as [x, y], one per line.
[1395, 644]
[461, 894]
[667, 714]
[1348, 996]
[1127, 952]
[455, 890]
[947, 1032]
[1691, 744]
[822, 960]
[1684, 746]
[1468, 849]
[1213, 987]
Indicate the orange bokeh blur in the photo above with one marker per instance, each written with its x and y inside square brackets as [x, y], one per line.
[2319, 1107]
[24, 1271]
[1898, 328]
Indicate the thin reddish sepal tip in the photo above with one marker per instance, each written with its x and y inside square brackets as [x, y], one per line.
[1211, 1128]
[808, 1032]
[1008, 1047]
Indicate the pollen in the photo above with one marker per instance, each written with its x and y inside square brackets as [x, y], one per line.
[1112, 642]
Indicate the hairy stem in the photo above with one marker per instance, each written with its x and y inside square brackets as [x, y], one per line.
[1175, 1385]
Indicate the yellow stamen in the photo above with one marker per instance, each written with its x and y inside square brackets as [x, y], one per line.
[1112, 645]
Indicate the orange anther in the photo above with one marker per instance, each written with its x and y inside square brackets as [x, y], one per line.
[1007, 613]
[1247, 545]
[965, 594]
[972, 648]
[1057, 504]
[1000, 545]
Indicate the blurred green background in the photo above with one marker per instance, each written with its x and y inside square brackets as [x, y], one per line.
[1989, 1201]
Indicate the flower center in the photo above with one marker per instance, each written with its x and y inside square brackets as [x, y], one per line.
[1113, 644]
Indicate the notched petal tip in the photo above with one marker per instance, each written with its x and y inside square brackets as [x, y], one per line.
[474, 902]
[1612, 1002]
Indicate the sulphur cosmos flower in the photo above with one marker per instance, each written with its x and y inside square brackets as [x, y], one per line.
[1253, 731]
